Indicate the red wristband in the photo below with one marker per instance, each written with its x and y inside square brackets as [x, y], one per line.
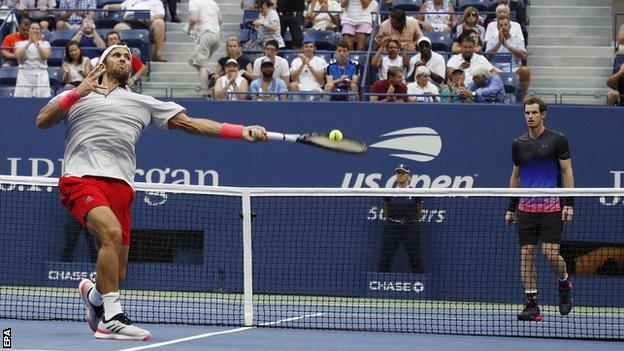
[231, 131]
[66, 101]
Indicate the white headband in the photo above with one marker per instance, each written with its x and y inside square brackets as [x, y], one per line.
[109, 49]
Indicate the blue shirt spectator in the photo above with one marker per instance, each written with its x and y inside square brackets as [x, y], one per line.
[276, 86]
[487, 88]
[350, 69]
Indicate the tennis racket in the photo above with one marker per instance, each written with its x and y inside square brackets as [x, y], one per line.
[347, 145]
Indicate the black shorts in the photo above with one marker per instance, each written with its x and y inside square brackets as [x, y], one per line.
[533, 227]
[135, 24]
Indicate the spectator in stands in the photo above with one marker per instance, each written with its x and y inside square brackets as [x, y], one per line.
[155, 24]
[491, 31]
[432, 60]
[204, 20]
[392, 59]
[422, 86]
[138, 67]
[268, 24]
[470, 33]
[280, 65]
[470, 21]
[38, 11]
[401, 27]
[8, 44]
[248, 4]
[394, 84]
[307, 72]
[457, 88]
[291, 18]
[357, 22]
[173, 10]
[87, 36]
[620, 39]
[321, 15]
[486, 87]
[268, 87]
[505, 43]
[437, 16]
[616, 82]
[72, 19]
[32, 56]
[75, 66]
[466, 59]
[231, 82]
[342, 73]
[514, 6]
[234, 51]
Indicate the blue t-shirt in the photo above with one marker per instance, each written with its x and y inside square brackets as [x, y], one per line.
[402, 208]
[277, 86]
[350, 70]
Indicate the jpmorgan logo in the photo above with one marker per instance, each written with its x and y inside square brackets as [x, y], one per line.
[421, 143]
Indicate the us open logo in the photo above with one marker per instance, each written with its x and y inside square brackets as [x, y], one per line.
[423, 144]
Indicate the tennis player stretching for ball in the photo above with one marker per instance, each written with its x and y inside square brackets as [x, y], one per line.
[541, 160]
[103, 123]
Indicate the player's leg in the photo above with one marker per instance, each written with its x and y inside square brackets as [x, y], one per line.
[528, 238]
[551, 238]
[411, 238]
[389, 246]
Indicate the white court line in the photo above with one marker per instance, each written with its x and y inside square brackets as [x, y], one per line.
[207, 335]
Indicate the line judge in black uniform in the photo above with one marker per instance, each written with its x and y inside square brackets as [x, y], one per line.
[401, 214]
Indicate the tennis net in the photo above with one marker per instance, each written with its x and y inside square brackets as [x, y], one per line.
[319, 258]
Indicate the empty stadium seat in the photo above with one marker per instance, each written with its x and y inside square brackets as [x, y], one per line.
[480, 5]
[137, 38]
[359, 57]
[57, 56]
[245, 35]
[617, 62]
[8, 75]
[325, 39]
[108, 19]
[511, 81]
[407, 5]
[7, 91]
[57, 78]
[249, 16]
[60, 37]
[289, 56]
[440, 41]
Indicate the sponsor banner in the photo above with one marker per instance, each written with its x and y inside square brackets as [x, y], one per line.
[399, 285]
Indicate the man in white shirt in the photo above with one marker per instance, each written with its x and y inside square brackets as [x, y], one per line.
[491, 31]
[103, 122]
[155, 23]
[430, 59]
[307, 72]
[204, 21]
[281, 65]
[467, 58]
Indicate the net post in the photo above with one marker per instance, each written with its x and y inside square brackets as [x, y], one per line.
[247, 258]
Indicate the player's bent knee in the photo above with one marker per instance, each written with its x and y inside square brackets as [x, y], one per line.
[111, 236]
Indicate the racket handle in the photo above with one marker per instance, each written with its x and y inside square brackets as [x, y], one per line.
[281, 136]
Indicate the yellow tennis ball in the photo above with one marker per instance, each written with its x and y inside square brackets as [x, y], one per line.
[335, 135]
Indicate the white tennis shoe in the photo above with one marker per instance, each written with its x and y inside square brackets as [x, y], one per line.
[92, 313]
[121, 328]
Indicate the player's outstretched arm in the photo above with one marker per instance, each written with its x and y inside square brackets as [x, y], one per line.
[53, 112]
[207, 127]
[514, 182]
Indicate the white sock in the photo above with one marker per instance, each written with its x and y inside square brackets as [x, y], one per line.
[95, 297]
[112, 305]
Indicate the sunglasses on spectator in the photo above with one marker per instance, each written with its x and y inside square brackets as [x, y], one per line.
[472, 15]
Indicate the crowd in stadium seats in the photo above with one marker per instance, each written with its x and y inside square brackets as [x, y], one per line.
[437, 45]
[310, 46]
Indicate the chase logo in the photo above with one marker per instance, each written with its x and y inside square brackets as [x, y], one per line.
[421, 143]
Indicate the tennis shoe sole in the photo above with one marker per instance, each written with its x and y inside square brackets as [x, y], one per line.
[90, 316]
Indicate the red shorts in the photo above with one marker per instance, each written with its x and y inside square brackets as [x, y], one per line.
[81, 194]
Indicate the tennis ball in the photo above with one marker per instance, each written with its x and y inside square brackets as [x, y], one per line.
[335, 135]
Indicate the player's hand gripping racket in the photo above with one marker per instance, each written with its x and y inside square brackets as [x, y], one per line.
[347, 145]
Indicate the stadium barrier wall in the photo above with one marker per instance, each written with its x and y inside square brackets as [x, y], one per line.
[445, 145]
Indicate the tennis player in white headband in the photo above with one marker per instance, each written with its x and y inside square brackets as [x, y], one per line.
[103, 122]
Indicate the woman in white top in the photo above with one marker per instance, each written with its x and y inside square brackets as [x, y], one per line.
[76, 67]
[324, 20]
[437, 15]
[382, 63]
[423, 86]
[32, 57]
[231, 82]
[268, 24]
[357, 21]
